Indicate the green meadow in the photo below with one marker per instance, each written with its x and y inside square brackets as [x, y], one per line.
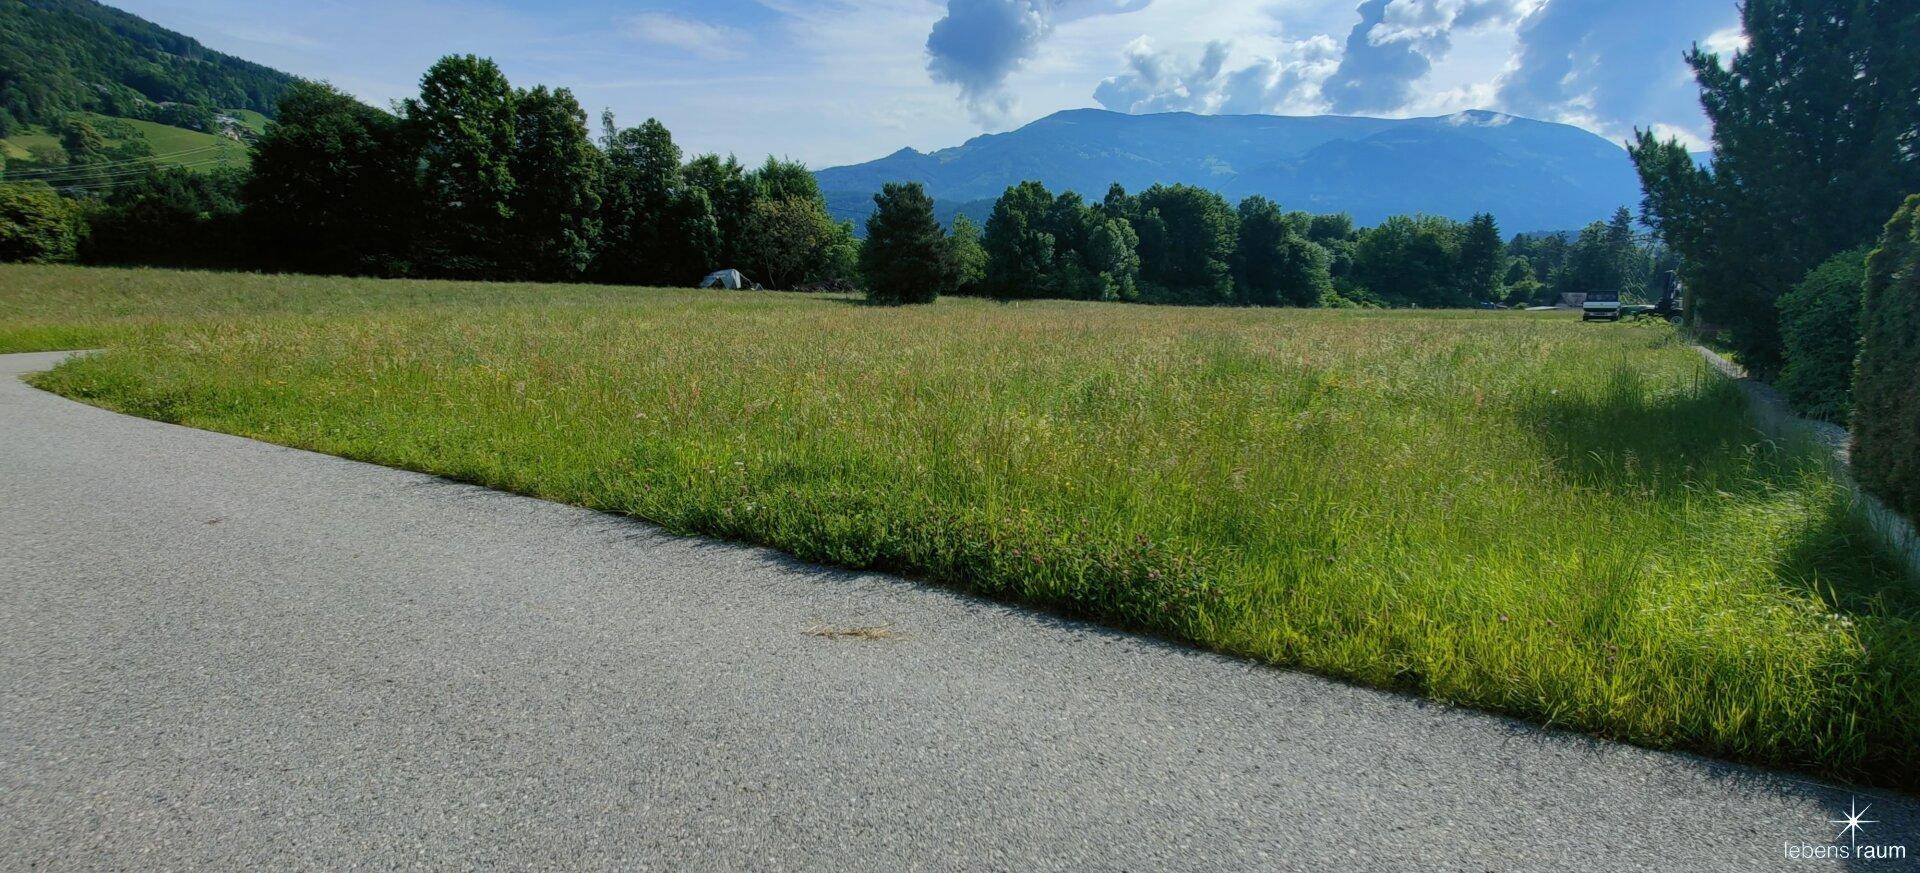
[1575, 524]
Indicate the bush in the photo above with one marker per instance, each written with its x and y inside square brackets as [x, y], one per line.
[36, 225]
[1820, 323]
[906, 258]
[1886, 387]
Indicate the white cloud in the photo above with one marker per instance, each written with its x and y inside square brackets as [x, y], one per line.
[1725, 41]
[695, 37]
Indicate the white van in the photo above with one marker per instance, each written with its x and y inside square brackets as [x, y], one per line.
[1601, 306]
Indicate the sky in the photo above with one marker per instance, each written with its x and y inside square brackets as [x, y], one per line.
[840, 81]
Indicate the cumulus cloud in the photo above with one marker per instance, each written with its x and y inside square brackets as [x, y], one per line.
[1600, 64]
[695, 37]
[1160, 81]
[981, 42]
[1395, 45]
[1606, 65]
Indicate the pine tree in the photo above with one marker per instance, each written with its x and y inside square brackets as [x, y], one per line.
[906, 258]
[1480, 255]
[1813, 126]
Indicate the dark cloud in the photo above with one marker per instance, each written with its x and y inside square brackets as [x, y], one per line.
[981, 42]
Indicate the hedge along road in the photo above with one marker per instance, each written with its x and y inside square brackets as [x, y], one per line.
[223, 653]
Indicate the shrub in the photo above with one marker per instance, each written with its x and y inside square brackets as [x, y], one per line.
[906, 258]
[36, 225]
[1820, 323]
[1886, 387]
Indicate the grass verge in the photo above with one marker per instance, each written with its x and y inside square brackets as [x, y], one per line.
[1571, 523]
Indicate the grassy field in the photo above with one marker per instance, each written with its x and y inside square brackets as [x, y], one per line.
[1571, 523]
[172, 146]
[177, 146]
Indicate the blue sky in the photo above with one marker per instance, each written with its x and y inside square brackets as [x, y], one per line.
[837, 81]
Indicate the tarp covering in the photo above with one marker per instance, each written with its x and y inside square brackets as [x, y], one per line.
[724, 279]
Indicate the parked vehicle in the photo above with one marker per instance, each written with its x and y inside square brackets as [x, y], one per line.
[1601, 306]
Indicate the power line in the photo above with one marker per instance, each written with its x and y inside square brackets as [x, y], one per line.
[86, 183]
[110, 166]
[124, 173]
[29, 175]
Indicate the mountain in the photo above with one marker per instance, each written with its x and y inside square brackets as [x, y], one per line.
[64, 56]
[1532, 175]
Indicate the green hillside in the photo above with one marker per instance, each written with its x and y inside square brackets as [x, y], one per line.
[165, 146]
[176, 146]
[63, 56]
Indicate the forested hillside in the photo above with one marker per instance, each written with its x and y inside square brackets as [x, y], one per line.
[63, 56]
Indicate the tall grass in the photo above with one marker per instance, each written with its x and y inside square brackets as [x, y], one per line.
[1571, 523]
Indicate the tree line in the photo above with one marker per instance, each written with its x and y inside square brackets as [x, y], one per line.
[478, 179]
[473, 179]
[1179, 244]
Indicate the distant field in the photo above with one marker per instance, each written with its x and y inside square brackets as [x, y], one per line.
[250, 119]
[25, 137]
[177, 146]
[1571, 523]
[172, 146]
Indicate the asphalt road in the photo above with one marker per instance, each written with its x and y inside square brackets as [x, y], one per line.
[217, 653]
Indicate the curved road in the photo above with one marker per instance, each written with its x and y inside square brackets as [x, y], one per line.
[220, 653]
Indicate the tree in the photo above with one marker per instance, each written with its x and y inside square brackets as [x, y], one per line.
[906, 258]
[1324, 229]
[785, 239]
[1186, 251]
[464, 123]
[1813, 124]
[172, 217]
[656, 226]
[730, 193]
[1411, 260]
[1113, 258]
[1518, 286]
[1820, 324]
[1631, 261]
[783, 180]
[36, 224]
[1591, 263]
[1274, 263]
[557, 177]
[840, 262]
[1481, 253]
[1886, 394]
[969, 256]
[332, 186]
[83, 143]
[1019, 247]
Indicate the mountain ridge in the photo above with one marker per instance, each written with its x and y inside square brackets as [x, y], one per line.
[1531, 174]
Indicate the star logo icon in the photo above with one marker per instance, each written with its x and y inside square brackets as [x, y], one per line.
[1850, 826]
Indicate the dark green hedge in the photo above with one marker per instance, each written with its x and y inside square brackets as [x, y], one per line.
[1886, 390]
[1820, 322]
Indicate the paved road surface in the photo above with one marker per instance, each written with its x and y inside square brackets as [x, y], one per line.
[220, 653]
